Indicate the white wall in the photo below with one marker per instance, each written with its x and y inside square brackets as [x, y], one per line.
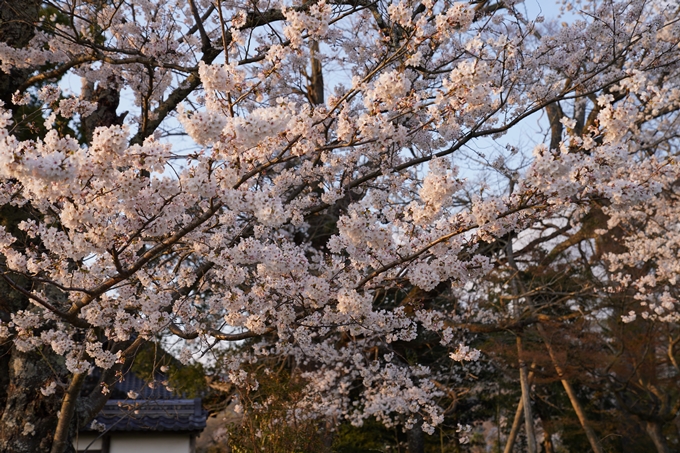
[84, 439]
[150, 443]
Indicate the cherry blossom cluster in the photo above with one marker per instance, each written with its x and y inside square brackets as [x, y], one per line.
[298, 221]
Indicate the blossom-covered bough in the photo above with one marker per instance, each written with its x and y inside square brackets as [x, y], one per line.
[335, 163]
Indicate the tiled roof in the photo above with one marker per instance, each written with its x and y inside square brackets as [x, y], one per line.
[153, 415]
[155, 408]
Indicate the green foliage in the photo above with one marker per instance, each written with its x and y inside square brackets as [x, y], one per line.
[370, 438]
[270, 422]
[186, 380]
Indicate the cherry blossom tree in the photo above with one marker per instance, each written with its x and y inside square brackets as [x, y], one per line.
[336, 168]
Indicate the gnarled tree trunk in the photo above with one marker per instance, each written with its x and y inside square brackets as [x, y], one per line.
[27, 417]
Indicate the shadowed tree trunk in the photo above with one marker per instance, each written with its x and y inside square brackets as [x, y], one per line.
[655, 431]
[17, 27]
[27, 417]
[315, 88]
[593, 439]
[516, 424]
[416, 438]
[107, 99]
[517, 421]
[526, 399]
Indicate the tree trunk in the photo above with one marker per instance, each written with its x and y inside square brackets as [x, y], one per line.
[68, 408]
[17, 27]
[29, 418]
[580, 413]
[517, 421]
[655, 431]
[547, 443]
[455, 443]
[526, 399]
[315, 87]
[548, 431]
[328, 433]
[416, 438]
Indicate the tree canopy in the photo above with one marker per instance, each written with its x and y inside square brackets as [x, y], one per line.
[349, 187]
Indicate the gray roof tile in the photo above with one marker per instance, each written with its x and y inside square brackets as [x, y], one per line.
[153, 415]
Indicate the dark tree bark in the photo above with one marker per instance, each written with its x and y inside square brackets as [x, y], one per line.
[416, 438]
[17, 27]
[27, 417]
[315, 88]
[107, 99]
